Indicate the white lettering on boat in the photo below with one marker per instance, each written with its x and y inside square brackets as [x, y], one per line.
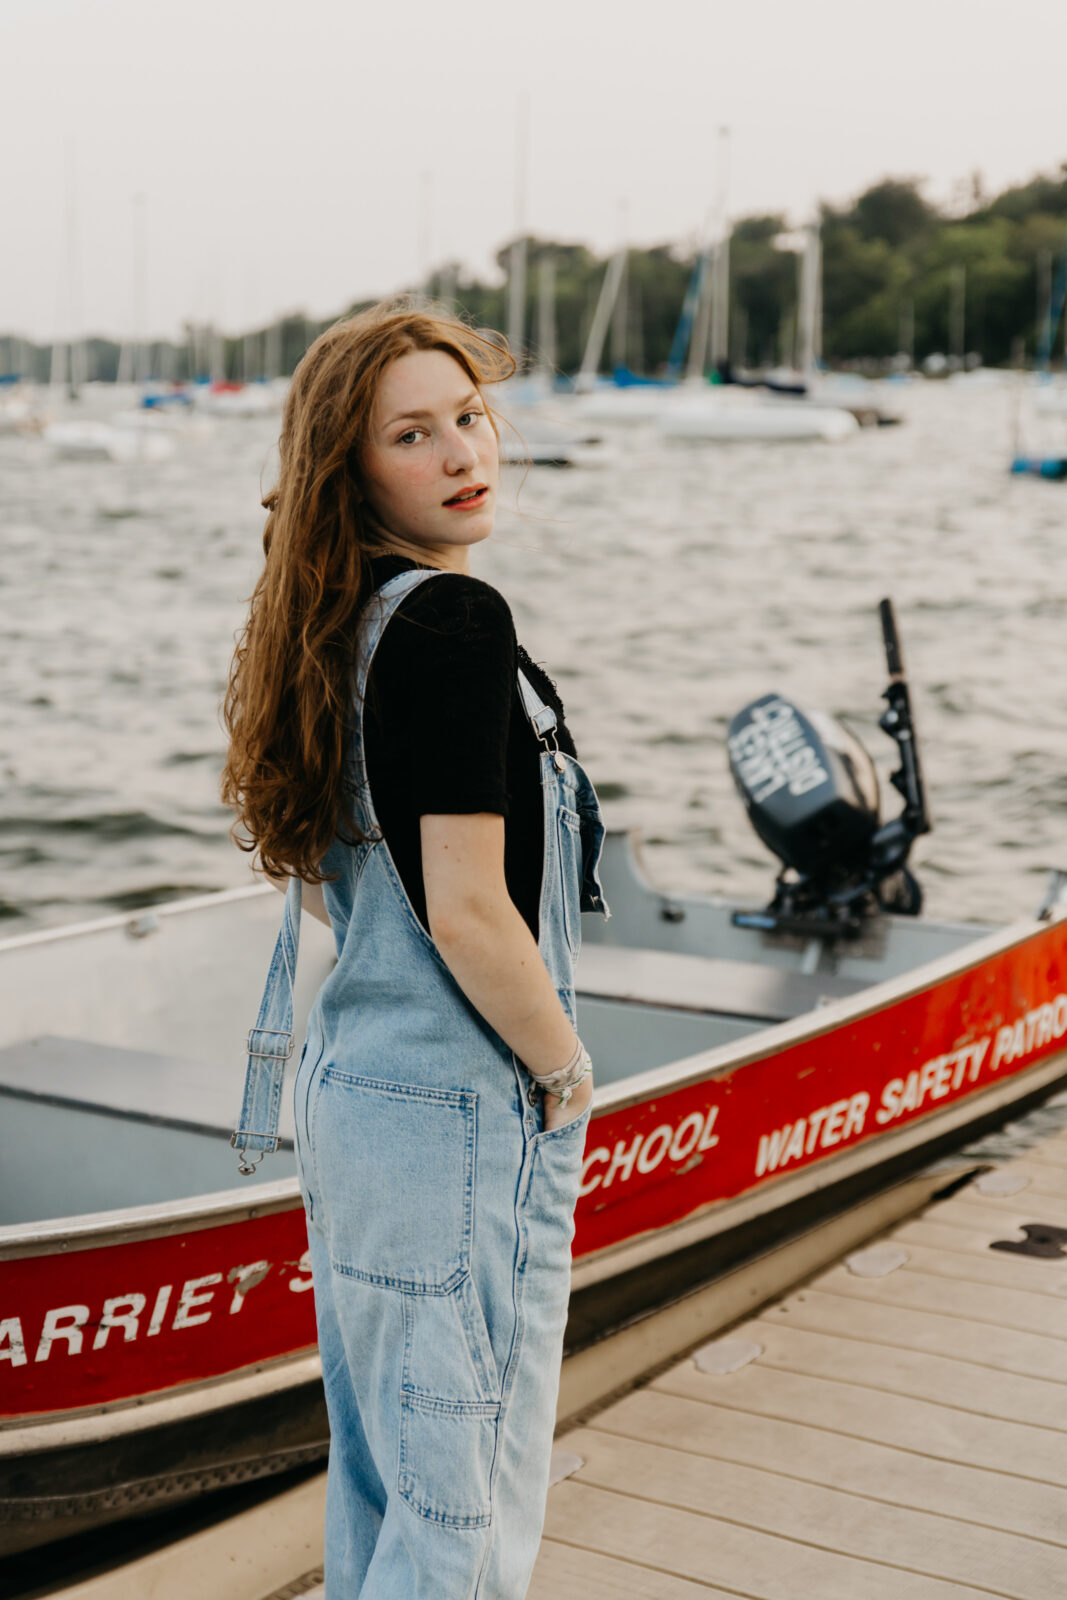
[125, 1318]
[299, 1284]
[645, 1151]
[12, 1343]
[937, 1078]
[825, 1127]
[159, 1310]
[245, 1280]
[65, 1322]
[185, 1316]
[74, 1329]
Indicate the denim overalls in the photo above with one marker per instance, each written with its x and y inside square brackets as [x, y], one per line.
[440, 1214]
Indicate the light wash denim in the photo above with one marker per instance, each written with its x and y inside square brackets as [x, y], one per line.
[440, 1213]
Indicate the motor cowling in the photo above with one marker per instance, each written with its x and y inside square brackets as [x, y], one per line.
[809, 786]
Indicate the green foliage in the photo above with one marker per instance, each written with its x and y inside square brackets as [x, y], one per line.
[891, 262]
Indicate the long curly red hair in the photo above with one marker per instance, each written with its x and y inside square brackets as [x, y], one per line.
[289, 704]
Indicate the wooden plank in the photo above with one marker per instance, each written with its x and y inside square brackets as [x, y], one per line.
[919, 1373]
[922, 1425]
[932, 1290]
[564, 1572]
[709, 1550]
[1048, 1207]
[265, 1548]
[909, 1540]
[1053, 1150]
[963, 1255]
[1045, 1156]
[613, 1364]
[1043, 1178]
[1007, 1350]
[876, 1471]
[994, 1222]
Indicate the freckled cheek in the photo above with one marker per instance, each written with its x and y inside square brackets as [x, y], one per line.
[409, 480]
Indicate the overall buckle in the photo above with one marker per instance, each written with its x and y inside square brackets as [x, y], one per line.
[270, 1033]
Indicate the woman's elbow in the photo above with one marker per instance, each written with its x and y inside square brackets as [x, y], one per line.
[465, 922]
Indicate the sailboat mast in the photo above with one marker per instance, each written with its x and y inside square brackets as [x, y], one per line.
[808, 313]
[517, 255]
[958, 315]
[712, 309]
[698, 344]
[594, 345]
[720, 292]
[620, 314]
[546, 313]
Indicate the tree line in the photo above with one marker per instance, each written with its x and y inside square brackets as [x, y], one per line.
[897, 273]
[901, 277]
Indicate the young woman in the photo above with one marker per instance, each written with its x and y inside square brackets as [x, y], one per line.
[399, 761]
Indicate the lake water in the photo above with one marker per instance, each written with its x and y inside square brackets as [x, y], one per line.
[662, 590]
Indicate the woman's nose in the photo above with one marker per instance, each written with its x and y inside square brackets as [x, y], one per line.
[460, 454]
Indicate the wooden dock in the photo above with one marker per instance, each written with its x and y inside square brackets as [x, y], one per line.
[894, 1430]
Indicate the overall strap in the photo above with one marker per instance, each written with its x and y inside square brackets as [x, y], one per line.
[270, 1042]
[542, 720]
[376, 613]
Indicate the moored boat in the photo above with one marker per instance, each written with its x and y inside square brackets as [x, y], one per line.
[756, 1070]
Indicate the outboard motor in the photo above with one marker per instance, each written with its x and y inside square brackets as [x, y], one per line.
[811, 793]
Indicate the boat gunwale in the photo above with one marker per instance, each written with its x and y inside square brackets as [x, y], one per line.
[720, 1060]
[630, 838]
[130, 919]
[159, 1220]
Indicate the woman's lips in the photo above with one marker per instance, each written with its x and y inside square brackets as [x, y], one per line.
[469, 499]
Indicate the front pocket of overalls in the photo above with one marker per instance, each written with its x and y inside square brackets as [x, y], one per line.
[395, 1169]
[569, 836]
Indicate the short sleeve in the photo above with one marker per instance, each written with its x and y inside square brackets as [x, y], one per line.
[442, 681]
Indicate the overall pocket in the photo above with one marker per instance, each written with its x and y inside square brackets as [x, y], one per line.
[569, 840]
[449, 1409]
[395, 1170]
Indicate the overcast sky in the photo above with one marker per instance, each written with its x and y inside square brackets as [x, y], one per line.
[281, 147]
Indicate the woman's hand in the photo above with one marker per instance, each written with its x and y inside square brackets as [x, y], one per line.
[557, 1116]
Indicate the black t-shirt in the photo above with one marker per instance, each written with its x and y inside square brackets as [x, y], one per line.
[445, 730]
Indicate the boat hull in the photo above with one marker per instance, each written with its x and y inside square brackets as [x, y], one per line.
[126, 1337]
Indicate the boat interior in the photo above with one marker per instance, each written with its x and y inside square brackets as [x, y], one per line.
[122, 1042]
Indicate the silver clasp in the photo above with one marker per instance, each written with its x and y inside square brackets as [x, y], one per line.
[551, 748]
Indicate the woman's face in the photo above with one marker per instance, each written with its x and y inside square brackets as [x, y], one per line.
[431, 465]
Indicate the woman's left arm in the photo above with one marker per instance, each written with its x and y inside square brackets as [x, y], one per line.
[310, 898]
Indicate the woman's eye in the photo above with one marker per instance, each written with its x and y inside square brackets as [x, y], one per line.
[469, 418]
[409, 437]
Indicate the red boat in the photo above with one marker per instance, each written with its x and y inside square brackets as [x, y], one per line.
[756, 1071]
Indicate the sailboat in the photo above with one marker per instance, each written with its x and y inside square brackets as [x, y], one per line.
[531, 435]
[724, 412]
[621, 399]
